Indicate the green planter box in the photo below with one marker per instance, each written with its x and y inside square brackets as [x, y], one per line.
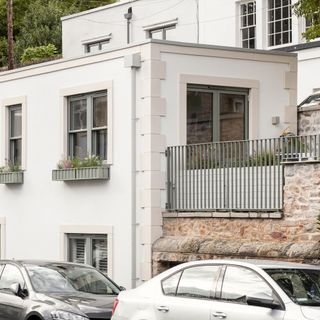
[91, 173]
[11, 177]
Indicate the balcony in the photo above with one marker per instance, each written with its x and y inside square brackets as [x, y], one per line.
[234, 176]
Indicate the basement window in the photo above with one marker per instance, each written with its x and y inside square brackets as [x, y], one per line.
[96, 45]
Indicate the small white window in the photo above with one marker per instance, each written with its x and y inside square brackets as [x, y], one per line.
[97, 44]
[279, 22]
[89, 249]
[162, 30]
[15, 134]
[248, 24]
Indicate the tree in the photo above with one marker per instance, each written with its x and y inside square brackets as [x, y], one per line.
[310, 9]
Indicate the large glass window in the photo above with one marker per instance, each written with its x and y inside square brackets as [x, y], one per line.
[216, 114]
[240, 283]
[248, 24]
[88, 125]
[279, 22]
[89, 249]
[15, 134]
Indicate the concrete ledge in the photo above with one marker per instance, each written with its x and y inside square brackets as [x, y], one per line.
[225, 214]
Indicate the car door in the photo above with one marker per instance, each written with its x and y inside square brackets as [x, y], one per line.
[12, 307]
[188, 294]
[238, 284]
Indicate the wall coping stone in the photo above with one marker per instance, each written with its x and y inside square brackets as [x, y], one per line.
[310, 108]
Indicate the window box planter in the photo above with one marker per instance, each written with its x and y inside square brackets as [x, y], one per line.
[78, 174]
[11, 177]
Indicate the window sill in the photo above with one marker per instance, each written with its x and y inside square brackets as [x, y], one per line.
[80, 174]
[11, 177]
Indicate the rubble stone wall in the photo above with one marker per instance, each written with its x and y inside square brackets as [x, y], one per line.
[294, 237]
[309, 120]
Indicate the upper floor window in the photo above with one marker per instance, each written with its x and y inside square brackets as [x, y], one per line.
[248, 24]
[15, 134]
[88, 125]
[279, 22]
[96, 44]
[162, 31]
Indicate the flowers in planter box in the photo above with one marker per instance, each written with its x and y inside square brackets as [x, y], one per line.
[90, 161]
[10, 167]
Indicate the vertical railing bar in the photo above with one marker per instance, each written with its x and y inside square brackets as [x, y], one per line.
[279, 178]
[183, 173]
[266, 163]
[193, 180]
[212, 168]
[277, 158]
[179, 177]
[237, 160]
[168, 179]
[204, 176]
[231, 166]
[271, 163]
[216, 171]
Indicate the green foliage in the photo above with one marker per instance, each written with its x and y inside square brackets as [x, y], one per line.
[310, 9]
[91, 161]
[37, 23]
[37, 54]
[10, 167]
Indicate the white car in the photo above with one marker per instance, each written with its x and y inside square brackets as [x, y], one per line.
[225, 289]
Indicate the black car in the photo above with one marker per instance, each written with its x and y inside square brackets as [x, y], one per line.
[42, 290]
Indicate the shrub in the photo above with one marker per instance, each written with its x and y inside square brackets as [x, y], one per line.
[37, 54]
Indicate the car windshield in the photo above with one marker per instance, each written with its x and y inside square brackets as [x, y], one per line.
[301, 285]
[63, 278]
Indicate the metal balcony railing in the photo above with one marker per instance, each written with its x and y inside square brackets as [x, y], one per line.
[236, 175]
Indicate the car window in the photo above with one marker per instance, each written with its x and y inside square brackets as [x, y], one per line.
[240, 283]
[10, 275]
[198, 282]
[169, 285]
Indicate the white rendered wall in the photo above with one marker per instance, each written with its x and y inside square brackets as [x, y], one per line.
[36, 210]
[110, 19]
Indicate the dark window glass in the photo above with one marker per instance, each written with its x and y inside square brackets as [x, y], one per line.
[11, 275]
[169, 285]
[15, 134]
[199, 117]
[78, 114]
[100, 111]
[198, 282]
[240, 283]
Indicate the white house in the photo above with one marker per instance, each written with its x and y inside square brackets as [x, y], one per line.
[259, 24]
[125, 103]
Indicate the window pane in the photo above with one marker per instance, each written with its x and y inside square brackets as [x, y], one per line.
[240, 283]
[100, 109]
[78, 144]
[252, 44]
[169, 286]
[232, 117]
[245, 34]
[198, 282]
[99, 143]
[100, 254]
[77, 249]
[78, 114]
[171, 34]
[199, 117]
[157, 34]
[16, 151]
[15, 122]
[11, 275]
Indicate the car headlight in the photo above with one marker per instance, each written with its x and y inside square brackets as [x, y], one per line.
[63, 315]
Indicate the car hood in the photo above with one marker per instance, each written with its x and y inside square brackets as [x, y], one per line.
[311, 313]
[93, 305]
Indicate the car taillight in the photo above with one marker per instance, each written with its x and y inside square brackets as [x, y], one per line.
[115, 304]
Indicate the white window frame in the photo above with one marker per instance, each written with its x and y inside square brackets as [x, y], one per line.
[160, 27]
[68, 230]
[6, 104]
[97, 41]
[83, 90]
[274, 21]
[247, 27]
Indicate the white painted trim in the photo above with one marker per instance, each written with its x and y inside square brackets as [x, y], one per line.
[87, 88]
[5, 104]
[97, 39]
[160, 25]
[2, 237]
[252, 85]
[86, 229]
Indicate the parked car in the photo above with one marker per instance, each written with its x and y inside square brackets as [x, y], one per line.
[225, 289]
[41, 290]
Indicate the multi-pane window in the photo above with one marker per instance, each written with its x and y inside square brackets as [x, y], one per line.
[164, 33]
[216, 114]
[15, 134]
[248, 24]
[279, 22]
[88, 125]
[89, 249]
[96, 46]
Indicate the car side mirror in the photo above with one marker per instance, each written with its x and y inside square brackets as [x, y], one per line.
[265, 303]
[122, 288]
[16, 289]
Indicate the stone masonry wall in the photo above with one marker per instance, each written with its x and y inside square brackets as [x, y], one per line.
[294, 237]
[309, 120]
